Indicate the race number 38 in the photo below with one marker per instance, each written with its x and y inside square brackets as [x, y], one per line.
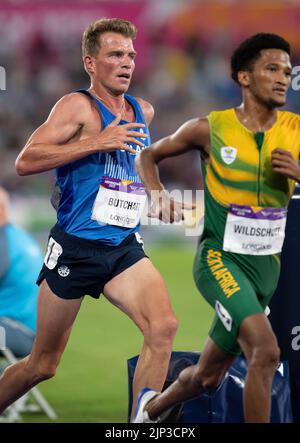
[54, 250]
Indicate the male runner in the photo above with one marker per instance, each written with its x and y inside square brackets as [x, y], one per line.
[249, 164]
[91, 137]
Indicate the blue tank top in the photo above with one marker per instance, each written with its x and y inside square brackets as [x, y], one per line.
[79, 183]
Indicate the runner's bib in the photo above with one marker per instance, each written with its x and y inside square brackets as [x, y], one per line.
[119, 202]
[254, 230]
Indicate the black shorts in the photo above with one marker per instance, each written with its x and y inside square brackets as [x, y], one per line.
[74, 267]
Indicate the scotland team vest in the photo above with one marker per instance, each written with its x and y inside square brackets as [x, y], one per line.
[101, 195]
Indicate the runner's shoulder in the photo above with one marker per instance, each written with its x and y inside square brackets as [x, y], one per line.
[75, 101]
[289, 118]
[147, 109]
[75, 106]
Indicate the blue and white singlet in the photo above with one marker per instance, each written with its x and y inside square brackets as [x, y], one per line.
[101, 196]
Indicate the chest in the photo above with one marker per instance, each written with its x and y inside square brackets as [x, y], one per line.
[246, 151]
[95, 121]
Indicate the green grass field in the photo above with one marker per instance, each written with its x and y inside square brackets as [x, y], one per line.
[91, 381]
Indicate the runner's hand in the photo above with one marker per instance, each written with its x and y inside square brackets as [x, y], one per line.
[166, 208]
[284, 163]
[119, 137]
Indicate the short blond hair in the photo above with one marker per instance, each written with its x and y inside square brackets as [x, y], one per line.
[90, 39]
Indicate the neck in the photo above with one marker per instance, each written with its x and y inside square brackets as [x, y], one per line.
[115, 101]
[256, 116]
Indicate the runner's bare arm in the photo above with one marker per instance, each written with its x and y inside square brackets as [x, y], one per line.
[51, 144]
[193, 134]
[284, 163]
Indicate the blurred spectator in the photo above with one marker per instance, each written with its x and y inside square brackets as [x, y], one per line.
[20, 262]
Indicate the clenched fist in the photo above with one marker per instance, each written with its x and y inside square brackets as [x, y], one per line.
[284, 163]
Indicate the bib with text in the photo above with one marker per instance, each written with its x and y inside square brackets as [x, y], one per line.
[254, 230]
[119, 202]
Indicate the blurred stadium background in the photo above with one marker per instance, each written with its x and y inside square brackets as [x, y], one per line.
[182, 68]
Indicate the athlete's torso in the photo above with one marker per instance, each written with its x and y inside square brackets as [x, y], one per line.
[240, 172]
[80, 180]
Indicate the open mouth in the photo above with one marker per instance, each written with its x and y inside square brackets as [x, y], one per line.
[127, 76]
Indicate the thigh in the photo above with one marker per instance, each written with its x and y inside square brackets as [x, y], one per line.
[224, 339]
[229, 291]
[55, 317]
[140, 292]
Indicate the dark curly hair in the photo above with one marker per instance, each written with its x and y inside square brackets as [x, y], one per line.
[248, 51]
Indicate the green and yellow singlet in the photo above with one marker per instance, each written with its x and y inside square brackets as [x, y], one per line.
[240, 170]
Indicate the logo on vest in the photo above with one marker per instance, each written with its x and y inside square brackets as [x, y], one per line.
[63, 271]
[228, 154]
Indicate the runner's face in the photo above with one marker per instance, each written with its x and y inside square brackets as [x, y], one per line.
[114, 63]
[270, 77]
